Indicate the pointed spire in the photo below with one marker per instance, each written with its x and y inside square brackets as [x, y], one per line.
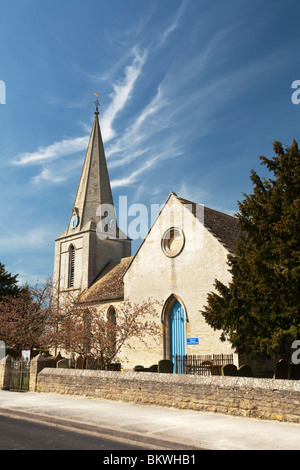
[94, 185]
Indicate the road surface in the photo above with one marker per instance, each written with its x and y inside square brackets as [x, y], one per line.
[21, 434]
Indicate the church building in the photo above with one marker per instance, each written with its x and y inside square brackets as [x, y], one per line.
[176, 264]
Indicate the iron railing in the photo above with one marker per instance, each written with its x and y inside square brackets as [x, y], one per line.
[19, 375]
[210, 364]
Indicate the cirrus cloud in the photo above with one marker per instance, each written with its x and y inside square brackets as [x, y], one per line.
[122, 90]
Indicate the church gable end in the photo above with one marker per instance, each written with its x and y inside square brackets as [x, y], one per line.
[182, 222]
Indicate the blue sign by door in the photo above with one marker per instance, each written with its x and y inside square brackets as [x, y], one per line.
[192, 341]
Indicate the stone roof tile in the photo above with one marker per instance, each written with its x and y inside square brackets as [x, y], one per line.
[223, 226]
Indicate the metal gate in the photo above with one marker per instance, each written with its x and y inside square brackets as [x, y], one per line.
[19, 375]
[202, 364]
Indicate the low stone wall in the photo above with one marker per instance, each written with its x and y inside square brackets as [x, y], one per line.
[5, 370]
[260, 398]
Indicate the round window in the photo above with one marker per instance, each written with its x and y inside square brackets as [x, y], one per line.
[172, 242]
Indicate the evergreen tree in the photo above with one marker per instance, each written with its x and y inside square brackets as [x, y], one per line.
[259, 312]
[8, 283]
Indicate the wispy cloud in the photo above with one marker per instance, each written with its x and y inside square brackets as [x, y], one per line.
[33, 238]
[132, 177]
[48, 174]
[122, 90]
[134, 143]
[174, 25]
[51, 152]
[192, 193]
[155, 132]
[133, 140]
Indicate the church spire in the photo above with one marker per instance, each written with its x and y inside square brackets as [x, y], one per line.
[94, 186]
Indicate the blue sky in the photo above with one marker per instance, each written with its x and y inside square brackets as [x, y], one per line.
[191, 91]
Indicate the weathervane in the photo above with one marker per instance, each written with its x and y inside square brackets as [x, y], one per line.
[97, 103]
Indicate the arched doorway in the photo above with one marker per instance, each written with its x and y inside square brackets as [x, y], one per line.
[177, 333]
[174, 320]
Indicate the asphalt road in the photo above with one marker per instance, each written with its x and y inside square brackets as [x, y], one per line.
[20, 434]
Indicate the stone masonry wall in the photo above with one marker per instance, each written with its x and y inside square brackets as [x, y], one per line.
[189, 277]
[260, 398]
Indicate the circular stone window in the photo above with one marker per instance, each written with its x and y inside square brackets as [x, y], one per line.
[172, 242]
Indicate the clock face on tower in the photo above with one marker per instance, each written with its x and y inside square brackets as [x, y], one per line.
[74, 221]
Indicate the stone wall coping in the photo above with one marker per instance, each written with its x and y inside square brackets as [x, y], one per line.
[6, 359]
[215, 381]
[39, 358]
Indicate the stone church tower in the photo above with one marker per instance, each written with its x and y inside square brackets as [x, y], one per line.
[84, 250]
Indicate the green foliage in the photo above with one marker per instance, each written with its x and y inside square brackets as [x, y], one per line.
[8, 283]
[259, 311]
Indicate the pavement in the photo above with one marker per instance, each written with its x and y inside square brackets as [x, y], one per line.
[163, 428]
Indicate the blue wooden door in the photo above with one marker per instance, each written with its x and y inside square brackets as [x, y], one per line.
[177, 331]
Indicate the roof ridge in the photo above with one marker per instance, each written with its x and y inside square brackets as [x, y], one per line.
[184, 200]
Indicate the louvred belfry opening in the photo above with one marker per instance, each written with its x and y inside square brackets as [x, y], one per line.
[71, 266]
